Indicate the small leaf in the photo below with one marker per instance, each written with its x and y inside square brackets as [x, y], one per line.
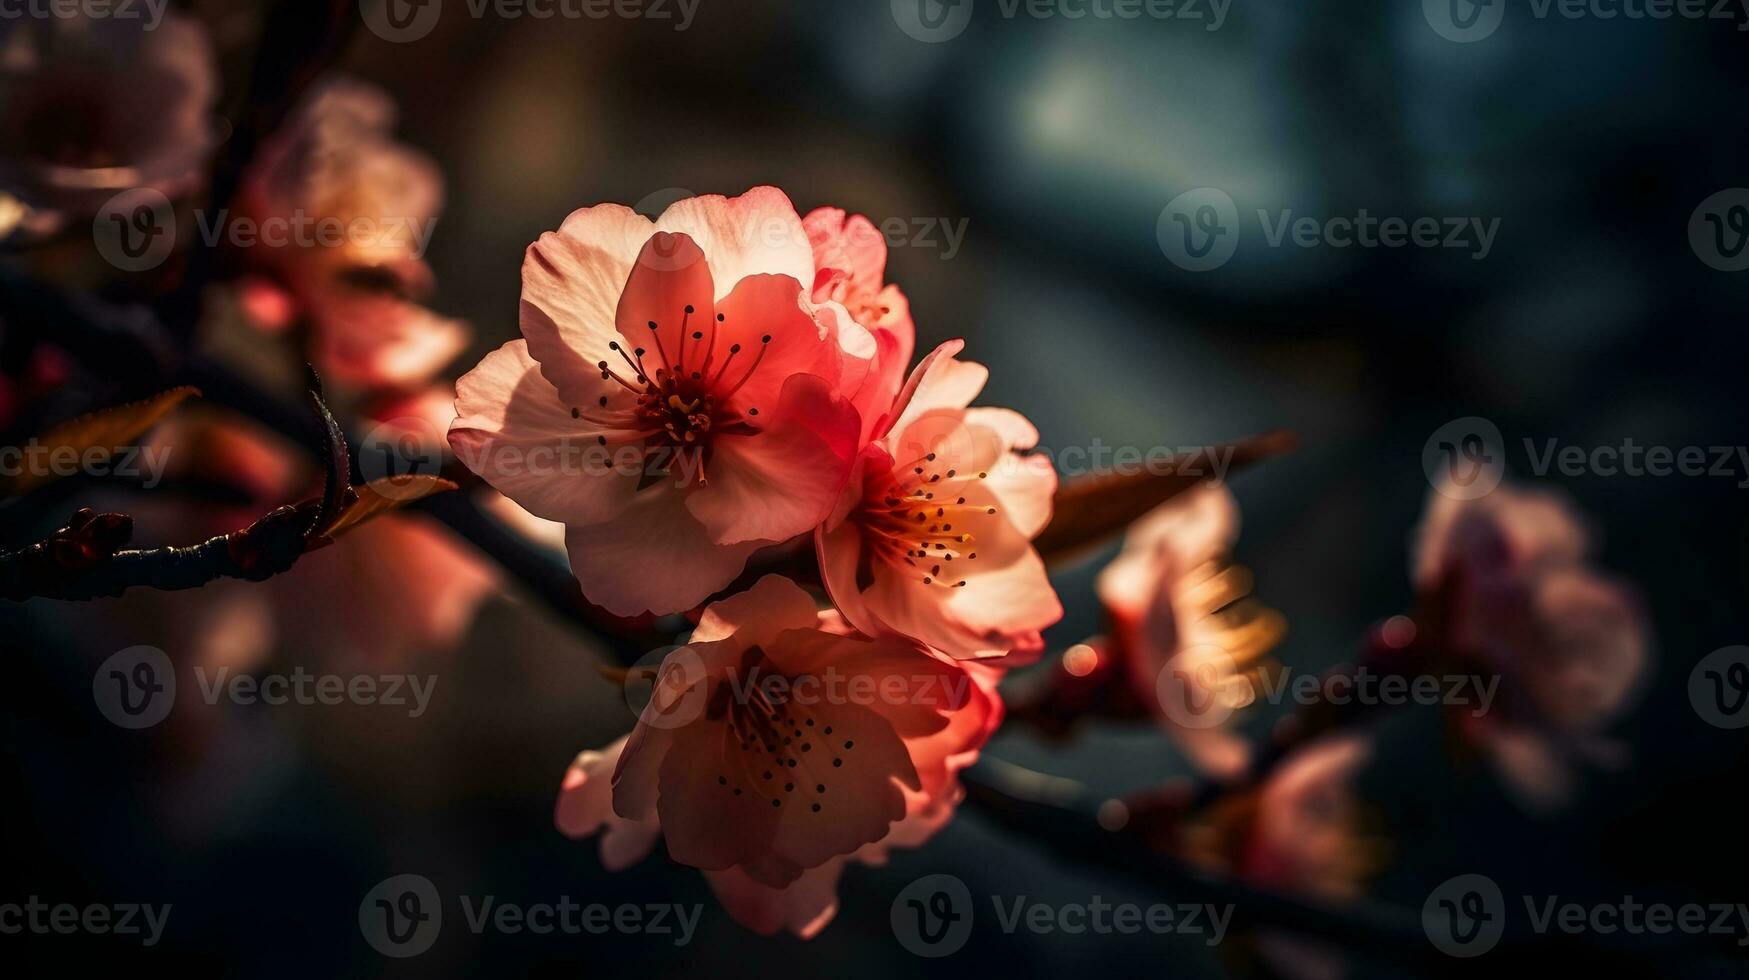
[376, 498]
[1093, 509]
[111, 429]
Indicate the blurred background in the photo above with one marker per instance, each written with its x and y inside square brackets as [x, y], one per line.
[1025, 166]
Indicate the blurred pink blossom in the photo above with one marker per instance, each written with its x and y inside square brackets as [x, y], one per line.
[341, 215]
[1571, 643]
[93, 106]
[1173, 598]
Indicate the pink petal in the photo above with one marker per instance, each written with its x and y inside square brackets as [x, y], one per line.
[1026, 486]
[756, 233]
[570, 292]
[585, 807]
[939, 382]
[803, 908]
[655, 557]
[371, 339]
[784, 480]
[839, 554]
[772, 605]
[757, 308]
[852, 245]
[518, 435]
[668, 296]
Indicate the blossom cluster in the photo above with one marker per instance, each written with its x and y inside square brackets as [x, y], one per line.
[761, 385]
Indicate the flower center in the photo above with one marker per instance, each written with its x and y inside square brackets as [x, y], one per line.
[680, 399]
[922, 521]
[773, 755]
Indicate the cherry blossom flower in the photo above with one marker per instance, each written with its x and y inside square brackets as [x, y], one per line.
[343, 212]
[1571, 644]
[772, 790]
[1175, 601]
[933, 537]
[1308, 832]
[851, 258]
[93, 106]
[675, 400]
